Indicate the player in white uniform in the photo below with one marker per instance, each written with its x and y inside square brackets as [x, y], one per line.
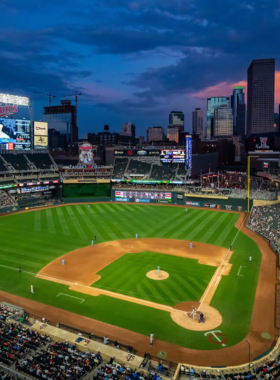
[92, 242]
[63, 262]
[31, 288]
[151, 339]
[136, 236]
[158, 269]
[191, 245]
[193, 312]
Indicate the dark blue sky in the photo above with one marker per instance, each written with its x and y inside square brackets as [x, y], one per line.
[133, 60]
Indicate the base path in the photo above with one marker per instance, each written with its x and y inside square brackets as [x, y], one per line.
[262, 321]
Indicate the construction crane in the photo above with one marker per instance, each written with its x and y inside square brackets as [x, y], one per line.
[76, 97]
[50, 96]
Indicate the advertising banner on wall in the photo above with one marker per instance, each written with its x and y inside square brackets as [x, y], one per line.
[41, 139]
[86, 154]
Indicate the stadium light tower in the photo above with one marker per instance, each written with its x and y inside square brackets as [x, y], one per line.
[248, 178]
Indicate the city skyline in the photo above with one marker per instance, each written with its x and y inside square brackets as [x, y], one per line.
[127, 61]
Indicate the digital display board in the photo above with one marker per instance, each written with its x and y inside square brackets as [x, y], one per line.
[142, 195]
[15, 134]
[189, 154]
[172, 156]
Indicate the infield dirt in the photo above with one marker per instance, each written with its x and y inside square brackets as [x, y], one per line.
[262, 321]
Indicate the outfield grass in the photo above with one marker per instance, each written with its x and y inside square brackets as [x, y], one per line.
[33, 239]
[187, 279]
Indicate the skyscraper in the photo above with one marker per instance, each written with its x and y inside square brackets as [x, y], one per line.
[197, 122]
[128, 129]
[260, 96]
[154, 134]
[213, 103]
[173, 133]
[237, 99]
[223, 122]
[177, 119]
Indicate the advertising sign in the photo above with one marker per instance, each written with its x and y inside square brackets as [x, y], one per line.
[171, 156]
[228, 207]
[40, 128]
[40, 142]
[211, 205]
[189, 153]
[190, 203]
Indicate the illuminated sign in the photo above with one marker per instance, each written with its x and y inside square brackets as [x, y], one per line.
[189, 154]
[7, 110]
[40, 128]
[14, 99]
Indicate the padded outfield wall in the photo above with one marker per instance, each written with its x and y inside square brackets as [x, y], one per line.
[180, 198]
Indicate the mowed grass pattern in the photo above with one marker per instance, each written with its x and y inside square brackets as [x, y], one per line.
[33, 239]
[186, 282]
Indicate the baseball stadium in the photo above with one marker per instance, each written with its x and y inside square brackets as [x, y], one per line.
[136, 266]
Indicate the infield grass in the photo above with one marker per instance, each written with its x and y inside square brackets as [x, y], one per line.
[187, 279]
[34, 239]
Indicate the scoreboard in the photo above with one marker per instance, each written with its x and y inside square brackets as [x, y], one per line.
[141, 196]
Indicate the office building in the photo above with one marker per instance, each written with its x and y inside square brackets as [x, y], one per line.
[260, 96]
[128, 129]
[223, 122]
[103, 139]
[173, 133]
[197, 122]
[213, 103]
[62, 119]
[154, 134]
[238, 108]
[276, 121]
[177, 119]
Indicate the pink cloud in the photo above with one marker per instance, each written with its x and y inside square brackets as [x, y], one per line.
[226, 88]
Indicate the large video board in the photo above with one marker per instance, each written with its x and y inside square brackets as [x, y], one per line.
[189, 154]
[15, 134]
[172, 156]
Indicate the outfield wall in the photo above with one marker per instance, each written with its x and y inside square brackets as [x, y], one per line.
[89, 190]
[179, 198]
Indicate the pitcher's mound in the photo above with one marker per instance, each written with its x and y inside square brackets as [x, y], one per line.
[154, 275]
[181, 315]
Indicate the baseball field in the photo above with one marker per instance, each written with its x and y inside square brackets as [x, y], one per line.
[108, 281]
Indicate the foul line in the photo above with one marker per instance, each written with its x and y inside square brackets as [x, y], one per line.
[67, 295]
[242, 275]
[221, 268]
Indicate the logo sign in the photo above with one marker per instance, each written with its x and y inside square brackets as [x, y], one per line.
[7, 110]
[141, 152]
[239, 208]
[40, 128]
[228, 207]
[263, 143]
[142, 200]
[167, 195]
[180, 196]
[40, 142]
[210, 205]
[189, 203]
[121, 199]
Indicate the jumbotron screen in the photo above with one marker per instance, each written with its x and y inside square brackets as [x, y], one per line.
[15, 134]
[171, 156]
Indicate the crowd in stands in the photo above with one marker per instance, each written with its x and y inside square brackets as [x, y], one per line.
[5, 199]
[5, 375]
[9, 312]
[266, 221]
[16, 341]
[58, 362]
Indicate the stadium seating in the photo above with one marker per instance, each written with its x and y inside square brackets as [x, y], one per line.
[138, 167]
[5, 199]
[164, 172]
[266, 221]
[119, 167]
[2, 166]
[41, 161]
[18, 161]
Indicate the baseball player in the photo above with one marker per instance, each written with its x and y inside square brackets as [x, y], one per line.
[250, 259]
[186, 210]
[31, 288]
[193, 312]
[63, 262]
[136, 236]
[191, 246]
[151, 339]
[95, 237]
[158, 269]
[19, 269]
[92, 242]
